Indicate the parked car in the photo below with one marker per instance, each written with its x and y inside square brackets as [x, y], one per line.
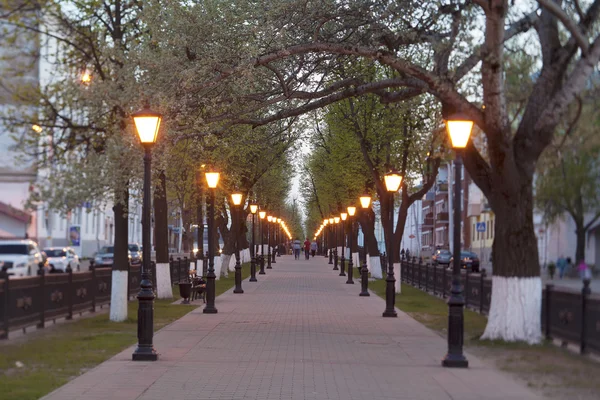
[441, 257]
[21, 257]
[468, 260]
[106, 255]
[61, 257]
[136, 253]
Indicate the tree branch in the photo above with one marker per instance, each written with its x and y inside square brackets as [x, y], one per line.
[568, 23]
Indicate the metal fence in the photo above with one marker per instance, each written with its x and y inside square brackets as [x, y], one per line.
[36, 300]
[570, 316]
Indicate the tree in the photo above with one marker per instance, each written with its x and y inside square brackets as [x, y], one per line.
[568, 179]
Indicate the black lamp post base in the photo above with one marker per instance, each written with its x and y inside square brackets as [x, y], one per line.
[211, 310]
[262, 272]
[364, 294]
[238, 291]
[253, 279]
[269, 267]
[349, 282]
[335, 268]
[455, 361]
[144, 354]
[390, 314]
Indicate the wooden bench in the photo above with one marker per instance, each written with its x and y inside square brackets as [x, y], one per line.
[199, 289]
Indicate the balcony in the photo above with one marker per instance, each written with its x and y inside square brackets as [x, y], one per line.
[442, 217]
[427, 223]
[442, 187]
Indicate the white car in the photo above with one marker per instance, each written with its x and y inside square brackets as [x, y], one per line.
[21, 257]
[61, 257]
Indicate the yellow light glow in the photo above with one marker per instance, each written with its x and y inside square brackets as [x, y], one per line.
[336, 220]
[36, 128]
[237, 198]
[459, 130]
[262, 214]
[325, 222]
[344, 216]
[351, 211]
[253, 208]
[392, 181]
[212, 179]
[365, 201]
[269, 218]
[86, 77]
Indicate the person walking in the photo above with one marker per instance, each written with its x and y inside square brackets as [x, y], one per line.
[296, 245]
[561, 264]
[306, 249]
[313, 248]
[584, 271]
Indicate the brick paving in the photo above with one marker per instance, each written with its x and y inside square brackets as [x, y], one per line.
[298, 333]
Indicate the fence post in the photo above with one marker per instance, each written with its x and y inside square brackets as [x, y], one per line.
[585, 293]
[42, 273]
[549, 288]
[482, 278]
[443, 283]
[70, 293]
[5, 320]
[426, 275]
[94, 286]
[466, 286]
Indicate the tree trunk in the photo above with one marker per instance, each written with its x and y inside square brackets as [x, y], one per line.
[516, 304]
[164, 289]
[118, 298]
[200, 220]
[187, 237]
[580, 247]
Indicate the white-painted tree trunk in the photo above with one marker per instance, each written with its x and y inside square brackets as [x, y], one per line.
[245, 256]
[515, 310]
[228, 263]
[356, 260]
[164, 289]
[398, 277]
[118, 296]
[217, 267]
[375, 268]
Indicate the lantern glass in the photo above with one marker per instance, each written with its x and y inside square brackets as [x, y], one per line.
[253, 208]
[325, 222]
[331, 220]
[351, 211]
[336, 219]
[344, 216]
[365, 201]
[236, 198]
[262, 214]
[212, 179]
[269, 218]
[392, 181]
[459, 128]
[147, 123]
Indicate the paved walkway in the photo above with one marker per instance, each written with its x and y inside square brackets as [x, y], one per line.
[298, 333]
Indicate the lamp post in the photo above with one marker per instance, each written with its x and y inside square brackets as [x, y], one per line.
[343, 217]
[212, 180]
[253, 210]
[351, 212]
[236, 198]
[269, 219]
[277, 238]
[330, 244]
[392, 184]
[336, 221]
[365, 203]
[325, 243]
[262, 215]
[147, 123]
[459, 129]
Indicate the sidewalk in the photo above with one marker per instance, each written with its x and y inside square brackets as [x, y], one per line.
[298, 333]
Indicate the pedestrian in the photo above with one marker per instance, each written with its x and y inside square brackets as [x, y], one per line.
[584, 270]
[561, 264]
[402, 254]
[313, 248]
[306, 249]
[296, 245]
[407, 254]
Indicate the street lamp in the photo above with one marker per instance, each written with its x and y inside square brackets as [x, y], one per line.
[392, 183]
[236, 198]
[275, 238]
[269, 220]
[351, 212]
[324, 243]
[365, 203]
[336, 221]
[459, 129]
[331, 243]
[147, 123]
[343, 217]
[212, 180]
[262, 215]
[278, 241]
[253, 210]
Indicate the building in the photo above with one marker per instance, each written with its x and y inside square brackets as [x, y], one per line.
[482, 221]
